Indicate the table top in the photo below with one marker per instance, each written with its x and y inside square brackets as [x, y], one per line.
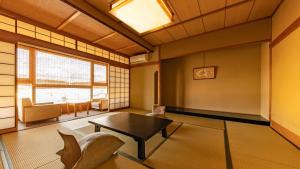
[133, 125]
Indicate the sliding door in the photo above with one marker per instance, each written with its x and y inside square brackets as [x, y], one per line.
[118, 88]
[7, 87]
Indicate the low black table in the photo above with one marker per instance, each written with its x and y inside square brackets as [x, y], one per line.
[139, 127]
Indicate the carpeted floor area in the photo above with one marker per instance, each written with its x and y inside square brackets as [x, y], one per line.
[194, 143]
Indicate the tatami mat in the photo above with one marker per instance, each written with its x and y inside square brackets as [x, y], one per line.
[197, 144]
[130, 146]
[259, 147]
[37, 147]
[200, 121]
[191, 147]
[1, 165]
[34, 147]
[116, 162]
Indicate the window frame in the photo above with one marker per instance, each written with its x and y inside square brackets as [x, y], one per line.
[25, 80]
[32, 72]
[95, 84]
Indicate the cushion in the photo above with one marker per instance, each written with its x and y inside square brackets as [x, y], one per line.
[158, 109]
[96, 149]
[71, 151]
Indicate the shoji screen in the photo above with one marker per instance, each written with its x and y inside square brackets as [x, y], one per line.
[7, 86]
[119, 87]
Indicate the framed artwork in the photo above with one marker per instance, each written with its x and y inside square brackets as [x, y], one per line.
[201, 73]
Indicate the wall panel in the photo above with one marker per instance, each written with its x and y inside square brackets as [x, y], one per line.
[7, 86]
[118, 87]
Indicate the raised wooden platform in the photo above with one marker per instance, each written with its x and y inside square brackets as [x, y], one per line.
[245, 118]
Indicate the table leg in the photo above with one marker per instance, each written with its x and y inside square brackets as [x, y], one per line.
[80, 108]
[87, 109]
[164, 133]
[97, 128]
[75, 112]
[68, 109]
[141, 149]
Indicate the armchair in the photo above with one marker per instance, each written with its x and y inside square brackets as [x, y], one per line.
[32, 113]
[100, 104]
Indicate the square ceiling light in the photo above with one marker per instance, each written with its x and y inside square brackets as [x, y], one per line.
[142, 15]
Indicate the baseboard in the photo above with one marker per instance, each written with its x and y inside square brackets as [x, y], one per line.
[289, 135]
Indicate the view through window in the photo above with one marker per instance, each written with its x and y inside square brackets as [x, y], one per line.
[48, 77]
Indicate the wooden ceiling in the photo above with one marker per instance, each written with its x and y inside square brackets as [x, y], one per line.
[200, 16]
[192, 17]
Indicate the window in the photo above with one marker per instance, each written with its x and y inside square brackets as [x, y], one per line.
[100, 81]
[23, 63]
[61, 95]
[99, 92]
[100, 73]
[59, 70]
[24, 91]
[59, 78]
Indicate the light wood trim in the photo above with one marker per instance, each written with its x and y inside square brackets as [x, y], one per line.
[68, 20]
[60, 86]
[270, 84]
[104, 37]
[120, 4]
[32, 69]
[284, 34]
[23, 81]
[16, 88]
[166, 9]
[93, 12]
[289, 135]
[92, 79]
[100, 84]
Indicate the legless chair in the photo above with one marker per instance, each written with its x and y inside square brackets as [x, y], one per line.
[158, 111]
[32, 113]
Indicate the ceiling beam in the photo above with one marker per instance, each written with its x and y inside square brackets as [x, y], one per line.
[22, 18]
[104, 37]
[86, 8]
[126, 47]
[196, 17]
[68, 20]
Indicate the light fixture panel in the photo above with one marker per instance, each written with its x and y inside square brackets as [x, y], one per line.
[142, 15]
